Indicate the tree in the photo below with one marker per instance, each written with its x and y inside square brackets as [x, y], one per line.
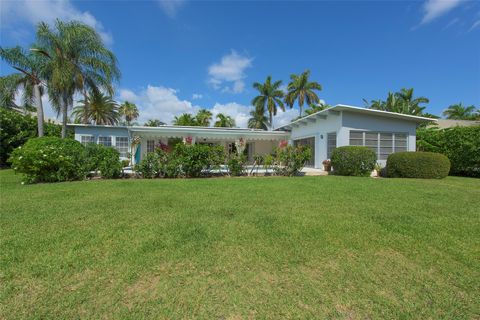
[224, 121]
[185, 119]
[316, 108]
[78, 61]
[154, 123]
[460, 112]
[99, 109]
[30, 67]
[400, 102]
[203, 118]
[129, 112]
[258, 119]
[269, 98]
[300, 89]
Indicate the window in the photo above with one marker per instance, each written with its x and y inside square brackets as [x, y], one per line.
[106, 141]
[331, 143]
[121, 143]
[86, 140]
[150, 146]
[382, 143]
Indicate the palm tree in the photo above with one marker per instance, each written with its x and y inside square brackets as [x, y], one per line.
[154, 123]
[30, 67]
[129, 111]
[99, 108]
[78, 61]
[224, 121]
[269, 98]
[203, 118]
[258, 119]
[185, 119]
[459, 112]
[316, 108]
[301, 90]
[9, 86]
[400, 102]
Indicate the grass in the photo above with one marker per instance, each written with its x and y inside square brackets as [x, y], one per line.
[267, 248]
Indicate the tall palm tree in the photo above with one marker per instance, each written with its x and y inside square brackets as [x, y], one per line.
[154, 123]
[31, 68]
[400, 102]
[99, 108]
[258, 119]
[78, 61]
[185, 119]
[203, 118]
[316, 108]
[224, 121]
[269, 98]
[129, 111]
[300, 89]
[9, 86]
[460, 112]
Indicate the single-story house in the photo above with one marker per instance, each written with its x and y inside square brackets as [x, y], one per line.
[341, 125]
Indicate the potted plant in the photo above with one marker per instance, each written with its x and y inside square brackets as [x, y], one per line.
[327, 165]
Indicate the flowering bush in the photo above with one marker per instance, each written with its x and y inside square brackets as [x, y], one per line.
[283, 144]
[50, 159]
[291, 159]
[236, 164]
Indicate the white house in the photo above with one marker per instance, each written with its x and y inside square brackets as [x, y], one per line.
[341, 125]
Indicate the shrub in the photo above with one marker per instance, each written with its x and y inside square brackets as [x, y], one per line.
[353, 161]
[103, 159]
[193, 160]
[291, 159]
[460, 144]
[151, 166]
[236, 164]
[425, 165]
[50, 159]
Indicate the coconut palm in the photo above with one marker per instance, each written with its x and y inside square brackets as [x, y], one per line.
[269, 98]
[129, 112]
[203, 118]
[99, 108]
[460, 112]
[154, 123]
[78, 61]
[258, 119]
[316, 108]
[224, 121]
[30, 67]
[401, 102]
[185, 119]
[300, 89]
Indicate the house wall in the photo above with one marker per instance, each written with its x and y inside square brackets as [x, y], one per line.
[264, 147]
[102, 131]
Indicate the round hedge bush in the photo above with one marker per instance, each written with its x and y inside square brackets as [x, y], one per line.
[424, 165]
[50, 159]
[353, 161]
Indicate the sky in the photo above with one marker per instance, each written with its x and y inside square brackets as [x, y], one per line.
[180, 56]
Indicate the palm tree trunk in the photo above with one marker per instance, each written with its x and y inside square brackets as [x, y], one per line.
[301, 109]
[85, 109]
[38, 102]
[64, 115]
[271, 122]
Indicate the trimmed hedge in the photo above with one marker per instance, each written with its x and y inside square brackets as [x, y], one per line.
[353, 161]
[424, 165]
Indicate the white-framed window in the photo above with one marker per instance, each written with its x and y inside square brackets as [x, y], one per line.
[87, 139]
[121, 144]
[382, 143]
[150, 145]
[106, 141]
[331, 143]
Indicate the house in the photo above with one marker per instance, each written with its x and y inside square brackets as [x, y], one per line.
[341, 125]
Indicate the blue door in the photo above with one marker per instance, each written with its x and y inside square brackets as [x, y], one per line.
[137, 154]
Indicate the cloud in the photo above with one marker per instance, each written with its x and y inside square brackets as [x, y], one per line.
[196, 96]
[171, 7]
[158, 103]
[474, 25]
[228, 75]
[239, 112]
[15, 14]
[284, 117]
[436, 8]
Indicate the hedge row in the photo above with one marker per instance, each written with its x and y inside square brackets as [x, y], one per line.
[423, 165]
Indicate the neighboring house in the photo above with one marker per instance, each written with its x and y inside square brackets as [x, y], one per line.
[341, 125]
[447, 123]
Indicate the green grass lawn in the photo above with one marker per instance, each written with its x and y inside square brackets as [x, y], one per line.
[232, 248]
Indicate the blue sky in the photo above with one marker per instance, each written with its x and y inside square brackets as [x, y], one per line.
[179, 56]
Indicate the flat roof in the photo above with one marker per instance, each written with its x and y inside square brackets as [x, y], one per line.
[344, 107]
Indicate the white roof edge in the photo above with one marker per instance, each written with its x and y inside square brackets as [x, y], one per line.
[341, 106]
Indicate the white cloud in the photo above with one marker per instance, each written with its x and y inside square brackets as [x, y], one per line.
[196, 96]
[284, 117]
[474, 25]
[15, 14]
[171, 7]
[436, 8]
[239, 112]
[229, 74]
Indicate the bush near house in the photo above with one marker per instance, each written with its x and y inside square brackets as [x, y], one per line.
[16, 129]
[291, 159]
[236, 164]
[424, 165]
[460, 144]
[103, 159]
[50, 159]
[353, 161]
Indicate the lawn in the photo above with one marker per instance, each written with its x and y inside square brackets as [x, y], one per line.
[233, 248]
